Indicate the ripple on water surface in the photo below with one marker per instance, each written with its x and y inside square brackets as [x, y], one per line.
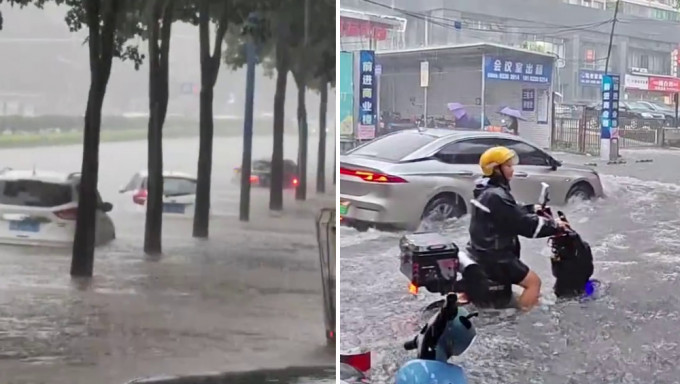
[627, 336]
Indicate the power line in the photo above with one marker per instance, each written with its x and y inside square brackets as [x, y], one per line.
[458, 25]
[611, 37]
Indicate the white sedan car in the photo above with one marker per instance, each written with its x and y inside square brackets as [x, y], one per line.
[179, 192]
[39, 208]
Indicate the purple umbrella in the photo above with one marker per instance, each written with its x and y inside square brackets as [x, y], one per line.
[507, 111]
[458, 109]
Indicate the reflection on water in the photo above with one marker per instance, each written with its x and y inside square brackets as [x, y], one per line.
[245, 299]
[626, 336]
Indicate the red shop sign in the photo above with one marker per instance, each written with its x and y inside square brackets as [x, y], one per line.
[362, 28]
[664, 84]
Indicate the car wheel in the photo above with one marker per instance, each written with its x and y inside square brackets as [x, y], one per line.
[581, 191]
[443, 208]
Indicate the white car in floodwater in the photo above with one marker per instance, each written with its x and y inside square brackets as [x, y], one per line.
[179, 192]
[39, 208]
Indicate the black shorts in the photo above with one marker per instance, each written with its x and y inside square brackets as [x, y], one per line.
[506, 272]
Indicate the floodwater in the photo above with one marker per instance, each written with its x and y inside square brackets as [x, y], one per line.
[629, 335]
[247, 298]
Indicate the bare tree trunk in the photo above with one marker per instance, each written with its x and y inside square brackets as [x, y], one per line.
[159, 46]
[303, 138]
[210, 65]
[282, 68]
[101, 25]
[321, 153]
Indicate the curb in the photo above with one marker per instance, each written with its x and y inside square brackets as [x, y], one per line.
[255, 376]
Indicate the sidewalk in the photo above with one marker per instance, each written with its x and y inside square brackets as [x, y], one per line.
[247, 298]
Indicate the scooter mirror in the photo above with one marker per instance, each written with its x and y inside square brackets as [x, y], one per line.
[544, 198]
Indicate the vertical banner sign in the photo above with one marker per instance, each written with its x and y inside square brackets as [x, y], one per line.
[609, 128]
[346, 95]
[367, 120]
[424, 74]
[528, 100]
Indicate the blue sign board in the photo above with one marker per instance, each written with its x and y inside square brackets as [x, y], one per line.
[590, 78]
[528, 100]
[609, 127]
[367, 88]
[527, 70]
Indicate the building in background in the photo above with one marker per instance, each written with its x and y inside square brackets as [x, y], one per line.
[577, 36]
[373, 31]
[666, 10]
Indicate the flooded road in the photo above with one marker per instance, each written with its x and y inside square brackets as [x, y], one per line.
[627, 336]
[248, 298]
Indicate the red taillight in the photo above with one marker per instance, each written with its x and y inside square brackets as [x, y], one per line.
[140, 196]
[295, 182]
[67, 214]
[372, 177]
[361, 361]
[254, 179]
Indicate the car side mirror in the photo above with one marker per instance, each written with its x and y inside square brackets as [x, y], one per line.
[554, 164]
[106, 207]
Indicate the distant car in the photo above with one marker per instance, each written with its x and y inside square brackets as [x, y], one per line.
[668, 112]
[179, 192]
[261, 174]
[40, 207]
[400, 179]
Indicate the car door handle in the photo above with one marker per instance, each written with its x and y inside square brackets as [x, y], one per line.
[521, 174]
[462, 173]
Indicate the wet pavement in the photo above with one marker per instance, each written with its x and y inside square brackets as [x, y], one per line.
[247, 298]
[629, 335]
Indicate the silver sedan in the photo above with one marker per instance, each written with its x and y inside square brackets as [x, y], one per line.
[400, 179]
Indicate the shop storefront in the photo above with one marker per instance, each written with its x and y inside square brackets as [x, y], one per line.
[479, 78]
[654, 88]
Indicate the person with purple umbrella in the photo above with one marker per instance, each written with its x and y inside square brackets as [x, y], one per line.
[463, 118]
[515, 116]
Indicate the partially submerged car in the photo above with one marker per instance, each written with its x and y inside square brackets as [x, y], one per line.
[400, 179]
[179, 192]
[261, 174]
[40, 207]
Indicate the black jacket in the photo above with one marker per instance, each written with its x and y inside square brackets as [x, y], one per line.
[497, 221]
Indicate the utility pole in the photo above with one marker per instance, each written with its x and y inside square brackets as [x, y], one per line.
[303, 131]
[613, 142]
[246, 161]
[611, 37]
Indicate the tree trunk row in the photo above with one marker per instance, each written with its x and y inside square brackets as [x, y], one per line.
[159, 47]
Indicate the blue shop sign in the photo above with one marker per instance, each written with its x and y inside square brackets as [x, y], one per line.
[527, 70]
[367, 88]
[590, 78]
[609, 127]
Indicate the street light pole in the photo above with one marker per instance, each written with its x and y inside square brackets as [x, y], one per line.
[246, 161]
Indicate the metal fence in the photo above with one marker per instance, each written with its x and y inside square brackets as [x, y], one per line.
[580, 133]
[325, 233]
[576, 135]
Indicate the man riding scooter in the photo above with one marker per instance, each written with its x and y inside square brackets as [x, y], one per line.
[496, 222]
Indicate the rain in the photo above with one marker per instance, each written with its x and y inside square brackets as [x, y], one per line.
[470, 69]
[244, 304]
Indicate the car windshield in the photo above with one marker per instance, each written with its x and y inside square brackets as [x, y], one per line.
[34, 193]
[394, 147]
[177, 186]
[646, 107]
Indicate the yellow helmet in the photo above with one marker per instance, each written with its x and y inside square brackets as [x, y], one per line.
[494, 157]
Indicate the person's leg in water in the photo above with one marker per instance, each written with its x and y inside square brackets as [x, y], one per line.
[518, 273]
[532, 289]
